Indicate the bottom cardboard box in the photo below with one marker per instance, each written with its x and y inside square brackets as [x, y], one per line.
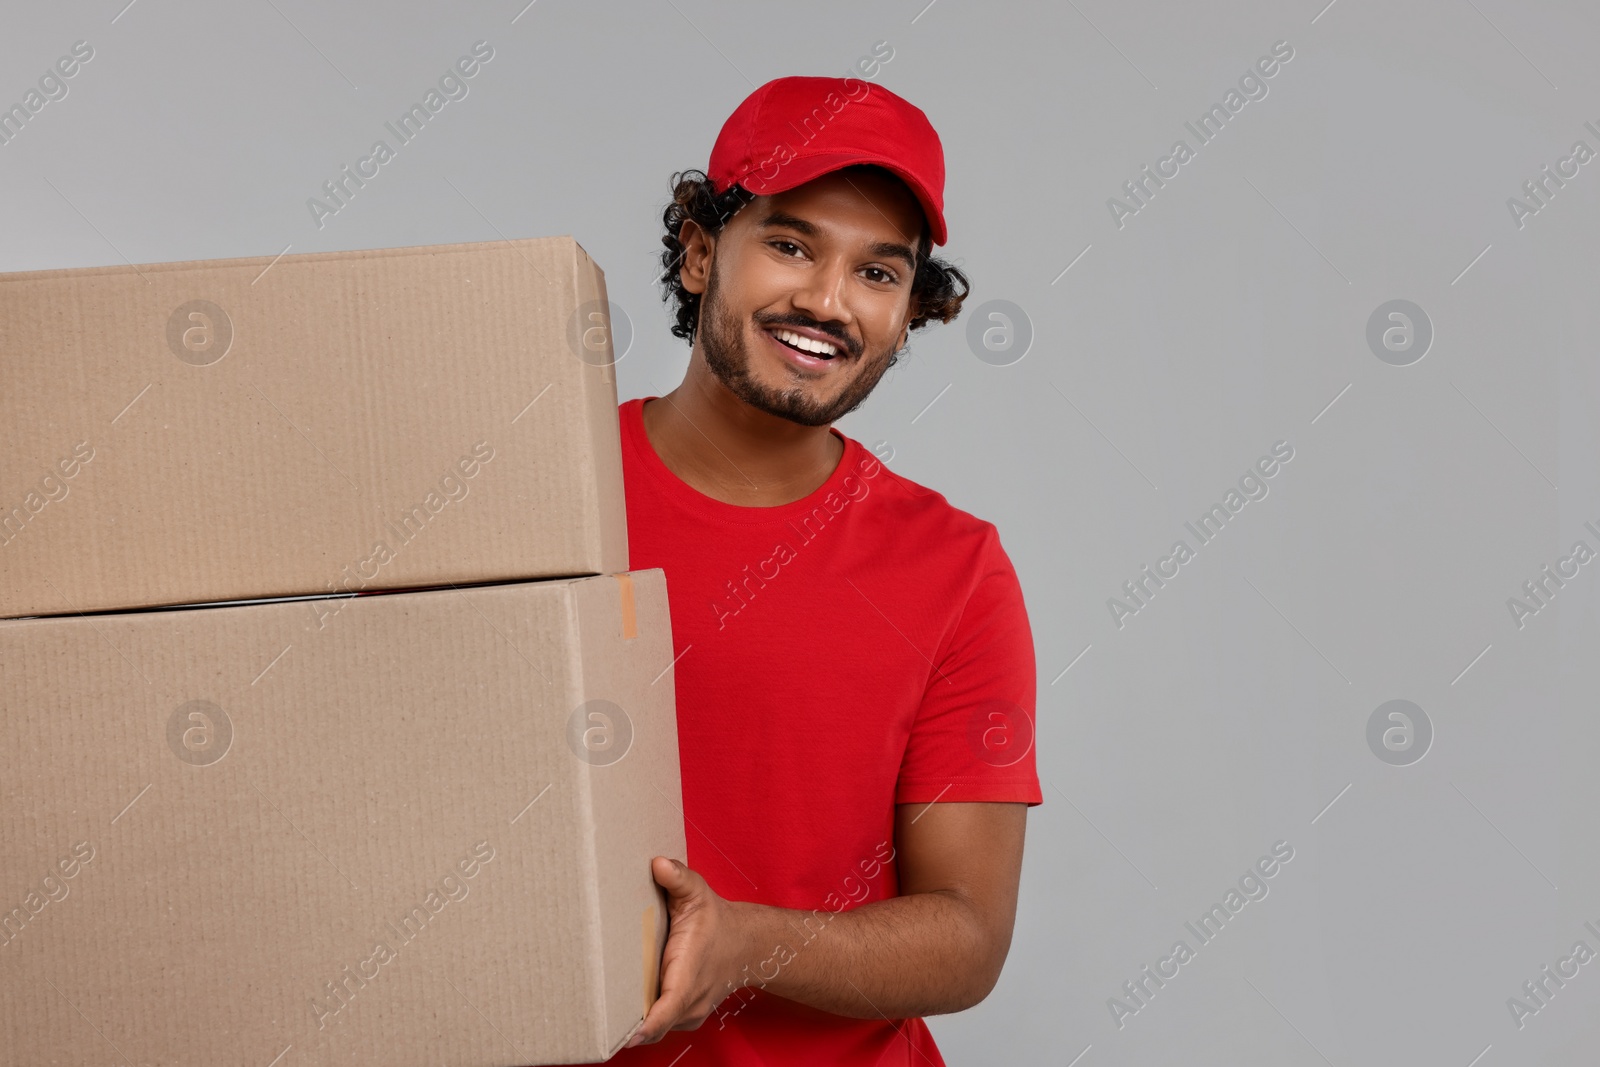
[410, 831]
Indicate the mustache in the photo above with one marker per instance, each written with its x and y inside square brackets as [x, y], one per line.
[837, 333]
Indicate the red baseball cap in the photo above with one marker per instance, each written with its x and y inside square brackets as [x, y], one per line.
[792, 130]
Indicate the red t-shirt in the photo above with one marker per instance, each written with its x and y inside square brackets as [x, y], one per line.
[863, 647]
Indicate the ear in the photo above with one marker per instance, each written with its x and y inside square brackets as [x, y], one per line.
[905, 333]
[698, 247]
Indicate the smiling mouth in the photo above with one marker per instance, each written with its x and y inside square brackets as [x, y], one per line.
[805, 345]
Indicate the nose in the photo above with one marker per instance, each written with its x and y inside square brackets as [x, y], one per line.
[821, 293]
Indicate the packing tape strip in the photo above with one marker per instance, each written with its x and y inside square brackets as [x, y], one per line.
[649, 957]
[630, 620]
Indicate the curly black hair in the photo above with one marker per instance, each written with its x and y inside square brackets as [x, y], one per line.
[937, 287]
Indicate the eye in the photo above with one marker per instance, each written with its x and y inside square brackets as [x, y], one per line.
[782, 244]
[887, 276]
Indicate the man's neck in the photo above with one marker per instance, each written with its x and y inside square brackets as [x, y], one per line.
[730, 451]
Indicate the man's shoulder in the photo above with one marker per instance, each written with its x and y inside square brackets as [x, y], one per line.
[922, 508]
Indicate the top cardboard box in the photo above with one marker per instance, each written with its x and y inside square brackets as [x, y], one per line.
[246, 428]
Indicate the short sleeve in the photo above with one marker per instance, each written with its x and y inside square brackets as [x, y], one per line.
[973, 736]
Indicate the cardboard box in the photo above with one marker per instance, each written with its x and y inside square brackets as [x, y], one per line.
[212, 818]
[245, 428]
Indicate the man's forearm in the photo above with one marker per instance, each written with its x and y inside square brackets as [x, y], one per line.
[921, 954]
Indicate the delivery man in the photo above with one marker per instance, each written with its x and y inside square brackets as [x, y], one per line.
[855, 671]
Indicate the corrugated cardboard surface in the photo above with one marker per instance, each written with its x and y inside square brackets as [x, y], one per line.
[424, 756]
[230, 429]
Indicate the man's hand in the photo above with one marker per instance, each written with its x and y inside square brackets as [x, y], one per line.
[706, 945]
[937, 947]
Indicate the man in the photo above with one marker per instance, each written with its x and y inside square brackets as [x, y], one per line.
[855, 676]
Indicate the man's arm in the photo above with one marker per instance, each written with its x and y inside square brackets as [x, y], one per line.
[936, 948]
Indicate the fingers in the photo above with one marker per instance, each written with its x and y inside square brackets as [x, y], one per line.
[681, 959]
[663, 1013]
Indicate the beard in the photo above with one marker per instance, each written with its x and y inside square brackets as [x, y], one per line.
[721, 337]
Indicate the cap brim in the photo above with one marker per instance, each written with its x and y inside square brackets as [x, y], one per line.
[807, 168]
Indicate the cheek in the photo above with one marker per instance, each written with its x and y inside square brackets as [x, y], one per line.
[884, 324]
[753, 277]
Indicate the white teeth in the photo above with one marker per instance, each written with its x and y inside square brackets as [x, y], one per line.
[805, 344]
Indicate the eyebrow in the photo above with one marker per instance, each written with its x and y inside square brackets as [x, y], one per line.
[883, 249]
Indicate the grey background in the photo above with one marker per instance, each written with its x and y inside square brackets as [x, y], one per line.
[1228, 314]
